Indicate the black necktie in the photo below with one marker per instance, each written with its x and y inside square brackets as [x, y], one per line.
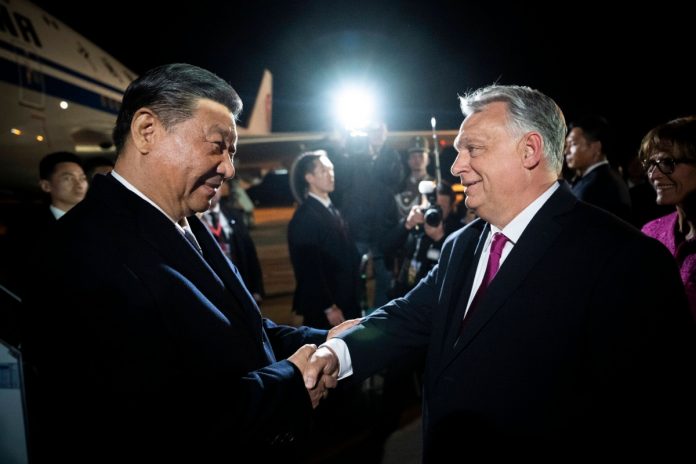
[215, 218]
[334, 210]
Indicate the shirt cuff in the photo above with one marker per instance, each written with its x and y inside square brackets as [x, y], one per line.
[339, 347]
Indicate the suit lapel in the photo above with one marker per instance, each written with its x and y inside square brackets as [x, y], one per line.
[335, 221]
[225, 270]
[532, 245]
[459, 279]
[158, 230]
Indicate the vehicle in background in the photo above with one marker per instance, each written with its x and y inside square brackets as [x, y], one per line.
[273, 190]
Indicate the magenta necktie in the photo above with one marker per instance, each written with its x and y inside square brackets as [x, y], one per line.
[492, 267]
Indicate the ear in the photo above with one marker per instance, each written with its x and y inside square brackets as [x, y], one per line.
[597, 146]
[306, 178]
[143, 128]
[45, 185]
[532, 147]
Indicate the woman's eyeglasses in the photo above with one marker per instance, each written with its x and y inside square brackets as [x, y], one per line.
[665, 165]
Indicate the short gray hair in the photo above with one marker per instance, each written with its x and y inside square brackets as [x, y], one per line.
[528, 110]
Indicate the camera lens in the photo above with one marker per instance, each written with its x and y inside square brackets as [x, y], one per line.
[433, 216]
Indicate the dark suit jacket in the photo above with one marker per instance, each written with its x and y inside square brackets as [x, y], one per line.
[326, 264]
[29, 231]
[146, 350]
[245, 251]
[582, 338]
[603, 187]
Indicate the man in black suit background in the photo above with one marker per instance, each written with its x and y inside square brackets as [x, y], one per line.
[228, 228]
[588, 142]
[324, 257]
[146, 343]
[551, 328]
[63, 180]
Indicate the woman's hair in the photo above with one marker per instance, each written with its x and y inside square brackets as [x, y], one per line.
[676, 137]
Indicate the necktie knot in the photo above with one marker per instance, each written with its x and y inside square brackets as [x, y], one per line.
[499, 241]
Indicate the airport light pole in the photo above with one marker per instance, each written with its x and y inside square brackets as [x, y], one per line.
[436, 151]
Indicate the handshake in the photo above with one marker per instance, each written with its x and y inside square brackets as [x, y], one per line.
[320, 366]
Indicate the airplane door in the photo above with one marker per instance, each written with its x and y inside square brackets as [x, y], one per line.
[31, 80]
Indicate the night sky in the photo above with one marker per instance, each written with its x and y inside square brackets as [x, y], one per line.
[417, 55]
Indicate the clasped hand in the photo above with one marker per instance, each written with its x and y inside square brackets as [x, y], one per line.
[320, 366]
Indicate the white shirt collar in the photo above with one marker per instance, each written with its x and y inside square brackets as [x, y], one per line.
[57, 212]
[325, 202]
[180, 225]
[514, 229]
[594, 166]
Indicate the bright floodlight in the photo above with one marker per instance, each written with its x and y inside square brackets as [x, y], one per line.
[355, 108]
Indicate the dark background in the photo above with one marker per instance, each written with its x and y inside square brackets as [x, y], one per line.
[627, 63]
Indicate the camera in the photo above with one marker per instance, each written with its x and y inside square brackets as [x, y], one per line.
[432, 213]
[357, 144]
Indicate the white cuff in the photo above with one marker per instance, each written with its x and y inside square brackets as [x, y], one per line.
[338, 346]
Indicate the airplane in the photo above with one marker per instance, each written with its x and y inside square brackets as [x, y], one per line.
[59, 91]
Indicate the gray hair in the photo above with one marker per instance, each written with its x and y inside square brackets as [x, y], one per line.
[528, 110]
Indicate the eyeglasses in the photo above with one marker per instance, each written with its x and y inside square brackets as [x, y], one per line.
[665, 165]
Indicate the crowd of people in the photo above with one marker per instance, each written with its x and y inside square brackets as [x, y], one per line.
[534, 314]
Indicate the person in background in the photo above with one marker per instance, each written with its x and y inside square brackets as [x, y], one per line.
[235, 198]
[62, 177]
[418, 159]
[146, 343]
[668, 155]
[587, 146]
[551, 328]
[98, 165]
[63, 180]
[370, 175]
[324, 257]
[425, 237]
[228, 228]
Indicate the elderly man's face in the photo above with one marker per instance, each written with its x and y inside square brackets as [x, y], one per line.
[195, 157]
[488, 163]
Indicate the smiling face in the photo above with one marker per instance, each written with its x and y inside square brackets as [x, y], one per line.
[672, 188]
[489, 165]
[193, 158]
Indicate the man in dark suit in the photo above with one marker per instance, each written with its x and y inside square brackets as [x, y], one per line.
[146, 343]
[580, 342]
[587, 145]
[63, 180]
[324, 257]
[228, 228]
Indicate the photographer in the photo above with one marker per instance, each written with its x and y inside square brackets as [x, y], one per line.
[428, 224]
[366, 182]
